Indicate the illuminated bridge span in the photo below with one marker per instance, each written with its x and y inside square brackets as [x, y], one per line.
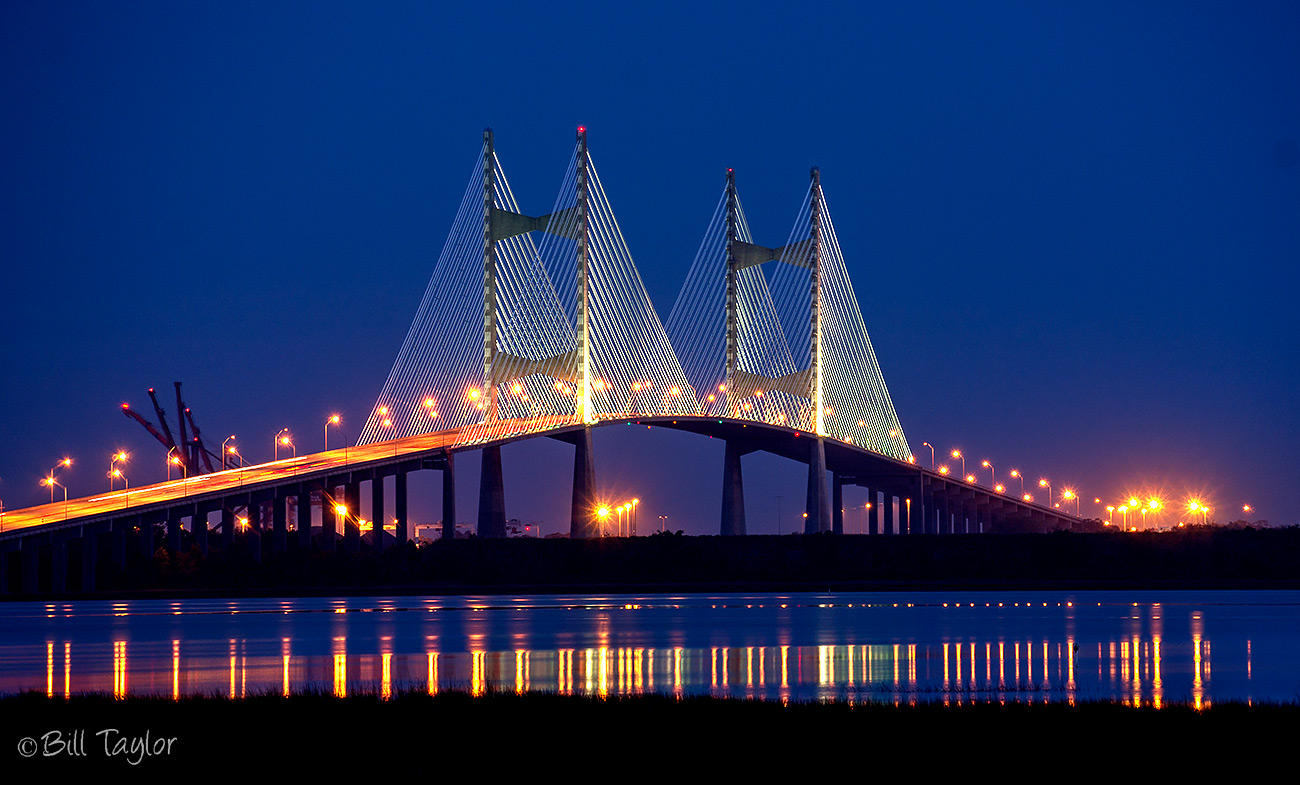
[541, 326]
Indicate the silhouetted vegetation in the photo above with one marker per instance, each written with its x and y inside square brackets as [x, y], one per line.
[1194, 557]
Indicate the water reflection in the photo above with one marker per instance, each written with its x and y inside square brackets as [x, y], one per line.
[775, 647]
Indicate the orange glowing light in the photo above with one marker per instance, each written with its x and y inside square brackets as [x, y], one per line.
[516, 388]
[943, 469]
[474, 394]
[712, 398]
[334, 419]
[999, 488]
[970, 478]
[1028, 497]
[675, 391]
[387, 424]
[428, 402]
[383, 410]
[956, 453]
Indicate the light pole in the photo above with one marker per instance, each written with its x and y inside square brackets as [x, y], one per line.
[993, 475]
[635, 502]
[50, 481]
[112, 467]
[1123, 511]
[224, 450]
[931, 446]
[65, 462]
[662, 522]
[175, 460]
[286, 439]
[1110, 514]
[957, 454]
[1068, 494]
[1016, 473]
[602, 514]
[126, 484]
[1042, 483]
[333, 420]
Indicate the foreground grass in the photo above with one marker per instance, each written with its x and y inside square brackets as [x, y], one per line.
[318, 730]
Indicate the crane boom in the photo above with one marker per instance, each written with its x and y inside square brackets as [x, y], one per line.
[162, 420]
[203, 451]
[148, 426]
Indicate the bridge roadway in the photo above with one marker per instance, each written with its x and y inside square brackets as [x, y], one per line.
[905, 498]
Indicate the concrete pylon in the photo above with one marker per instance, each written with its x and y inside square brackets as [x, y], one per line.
[818, 506]
[733, 493]
[491, 495]
[449, 498]
[582, 511]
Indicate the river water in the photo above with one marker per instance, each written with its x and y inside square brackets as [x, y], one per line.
[1141, 647]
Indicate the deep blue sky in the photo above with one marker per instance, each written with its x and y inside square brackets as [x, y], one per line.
[1074, 229]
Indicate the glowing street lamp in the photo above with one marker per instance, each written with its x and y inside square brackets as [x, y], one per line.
[993, 475]
[957, 454]
[283, 438]
[65, 463]
[1110, 514]
[334, 419]
[175, 460]
[1068, 494]
[602, 513]
[112, 467]
[51, 481]
[1042, 483]
[227, 450]
[635, 502]
[1246, 508]
[943, 470]
[1016, 473]
[931, 446]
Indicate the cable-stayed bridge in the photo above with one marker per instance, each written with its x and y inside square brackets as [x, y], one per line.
[540, 325]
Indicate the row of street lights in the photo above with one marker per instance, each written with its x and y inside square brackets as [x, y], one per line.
[626, 517]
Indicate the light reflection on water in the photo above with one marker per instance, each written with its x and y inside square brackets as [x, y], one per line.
[1142, 648]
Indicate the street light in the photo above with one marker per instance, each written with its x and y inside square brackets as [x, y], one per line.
[602, 513]
[224, 450]
[1110, 514]
[283, 438]
[931, 446]
[1045, 484]
[65, 462]
[126, 484]
[175, 460]
[1068, 494]
[993, 475]
[112, 466]
[50, 481]
[1016, 473]
[957, 454]
[635, 502]
[333, 420]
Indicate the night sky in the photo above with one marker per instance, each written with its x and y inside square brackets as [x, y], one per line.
[1073, 229]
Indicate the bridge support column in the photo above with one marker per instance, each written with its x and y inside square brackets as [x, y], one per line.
[877, 512]
[280, 522]
[58, 564]
[117, 541]
[227, 525]
[146, 537]
[491, 496]
[351, 525]
[399, 508]
[331, 520]
[304, 518]
[818, 506]
[377, 513]
[174, 516]
[837, 504]
[199, 527]
[253, 533]
[449, 498]
[916, 513]
[31, 565]
[89, 555]
[733, 492]
[582, 509]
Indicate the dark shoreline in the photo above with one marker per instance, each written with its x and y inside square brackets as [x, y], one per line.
[1204, 558]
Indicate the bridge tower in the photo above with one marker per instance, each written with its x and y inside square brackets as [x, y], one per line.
[491, 494]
